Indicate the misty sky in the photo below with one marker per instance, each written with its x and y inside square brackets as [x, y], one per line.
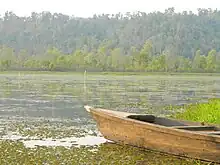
[86, 8]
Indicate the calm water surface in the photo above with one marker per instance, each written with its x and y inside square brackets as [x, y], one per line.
[59, 99]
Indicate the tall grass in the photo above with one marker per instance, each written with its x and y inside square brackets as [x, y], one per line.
[202, 112]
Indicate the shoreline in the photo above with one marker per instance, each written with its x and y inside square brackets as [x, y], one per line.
[112, 73]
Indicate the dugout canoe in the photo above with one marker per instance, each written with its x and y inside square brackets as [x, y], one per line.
[177, 137]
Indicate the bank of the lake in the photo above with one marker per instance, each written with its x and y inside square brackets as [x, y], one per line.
[126, 73]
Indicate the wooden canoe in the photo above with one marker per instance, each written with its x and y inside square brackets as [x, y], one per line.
[177, 137]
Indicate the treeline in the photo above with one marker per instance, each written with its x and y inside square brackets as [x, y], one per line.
[181, 34]
[106, 59]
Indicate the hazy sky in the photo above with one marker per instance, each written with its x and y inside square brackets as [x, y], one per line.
[86, 8]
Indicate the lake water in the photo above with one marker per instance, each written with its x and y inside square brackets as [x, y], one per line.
[46, 106]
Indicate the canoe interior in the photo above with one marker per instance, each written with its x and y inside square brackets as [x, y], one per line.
[175, 124]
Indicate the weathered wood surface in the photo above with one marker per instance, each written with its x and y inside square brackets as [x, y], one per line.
[165, 135]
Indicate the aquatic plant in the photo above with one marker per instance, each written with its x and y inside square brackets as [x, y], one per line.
[14, 152]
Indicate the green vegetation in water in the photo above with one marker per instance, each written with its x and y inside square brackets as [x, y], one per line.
[44, 132]
[44, 129]
[201, 112]
[16, 153]
[141, 92]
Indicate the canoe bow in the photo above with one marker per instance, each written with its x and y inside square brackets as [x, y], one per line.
[87, 108]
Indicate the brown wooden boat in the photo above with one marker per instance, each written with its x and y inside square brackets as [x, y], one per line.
[177, 137]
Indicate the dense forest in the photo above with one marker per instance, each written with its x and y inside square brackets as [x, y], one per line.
[159, 41]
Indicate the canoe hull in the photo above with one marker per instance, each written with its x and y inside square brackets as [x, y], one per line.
[140, 134]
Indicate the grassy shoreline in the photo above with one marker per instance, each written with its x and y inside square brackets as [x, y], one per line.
[201, 112]
[112, 73]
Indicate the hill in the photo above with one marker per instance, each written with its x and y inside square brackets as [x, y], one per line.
[158, 41]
